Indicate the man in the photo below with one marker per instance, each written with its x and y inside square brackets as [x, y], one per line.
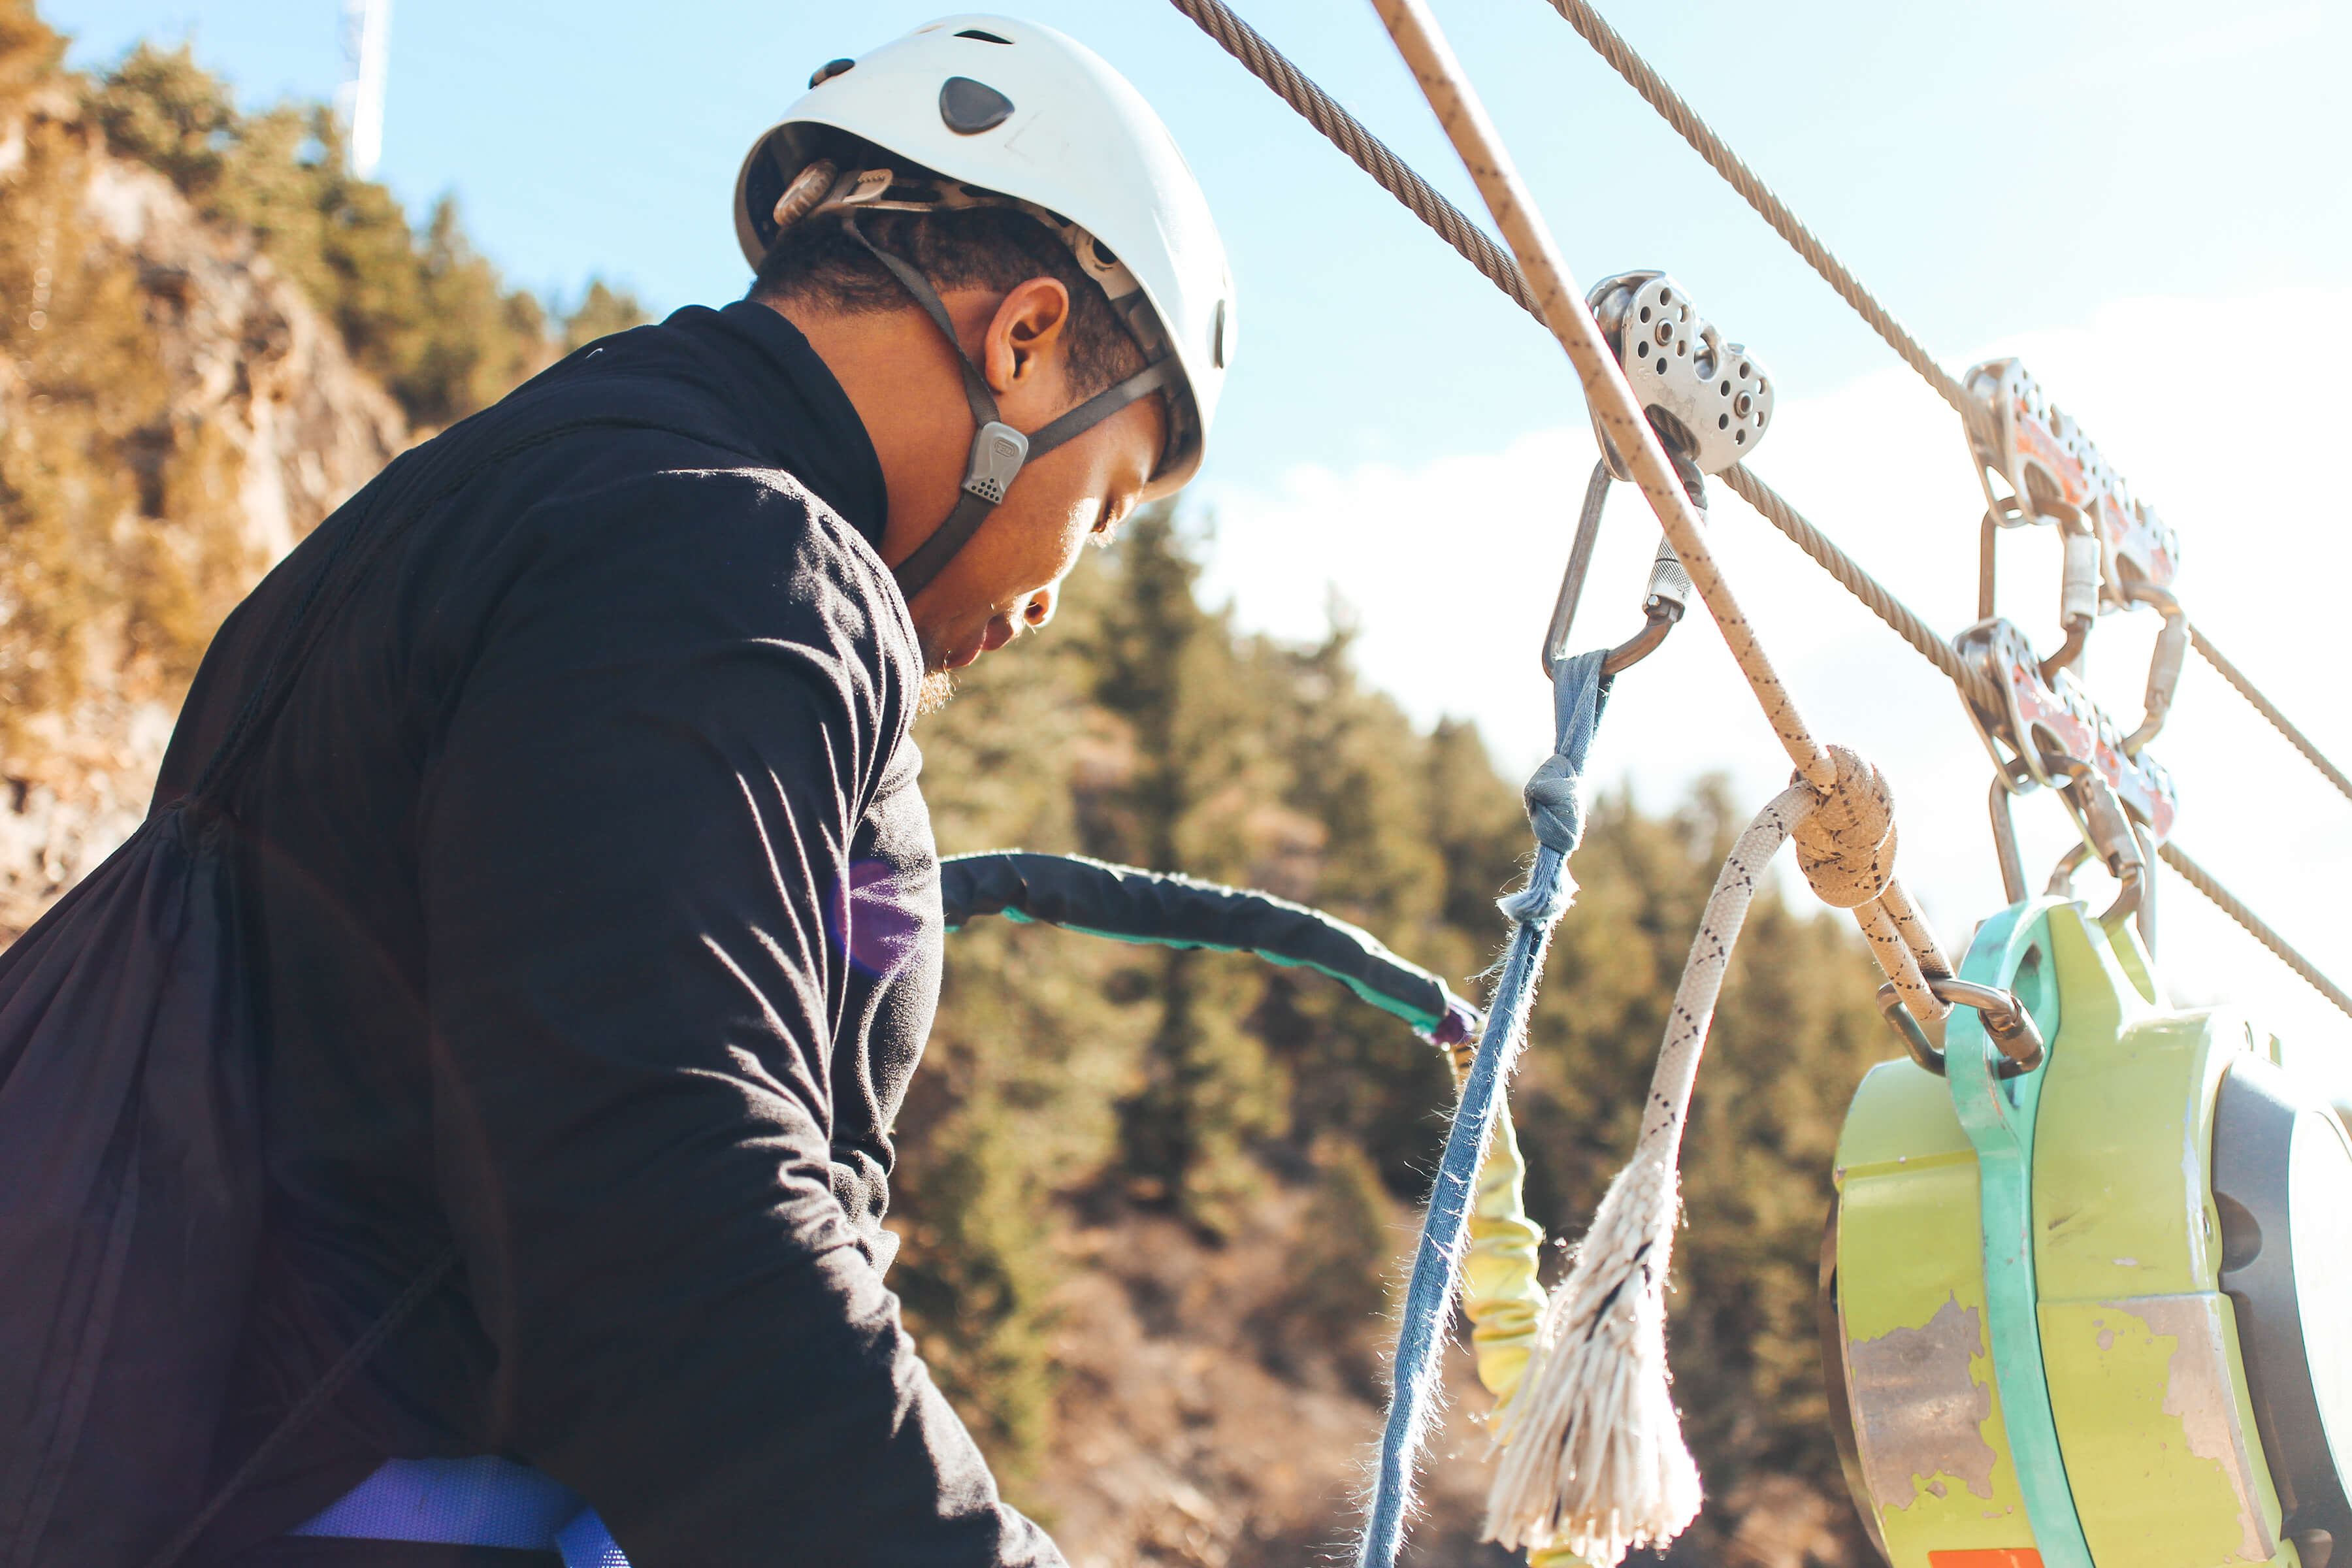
[595, 901]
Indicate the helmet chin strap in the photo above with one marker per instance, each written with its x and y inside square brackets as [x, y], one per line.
[998, 450]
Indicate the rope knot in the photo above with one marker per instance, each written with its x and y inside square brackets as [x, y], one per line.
[1846, 845]
[1555, 803]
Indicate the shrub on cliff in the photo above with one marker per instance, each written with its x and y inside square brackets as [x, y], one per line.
[423, 312]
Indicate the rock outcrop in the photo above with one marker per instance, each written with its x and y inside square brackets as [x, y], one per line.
[244, 425]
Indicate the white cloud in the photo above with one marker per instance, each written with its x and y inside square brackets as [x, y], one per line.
[1452, 568]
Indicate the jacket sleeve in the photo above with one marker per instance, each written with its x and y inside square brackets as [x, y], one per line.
[643, 803]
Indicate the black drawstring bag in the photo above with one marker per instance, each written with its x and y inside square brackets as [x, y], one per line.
[131, 1154]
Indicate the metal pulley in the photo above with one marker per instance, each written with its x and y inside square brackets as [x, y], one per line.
[1710, 398]
[2037, 465]
[2043, 728]
[2050, 472]
[1710, 403]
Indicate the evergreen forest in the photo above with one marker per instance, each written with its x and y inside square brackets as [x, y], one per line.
[1071, 1086]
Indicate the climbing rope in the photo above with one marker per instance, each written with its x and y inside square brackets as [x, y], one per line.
[1268, 64]
[1630, 434]
[1582, 1386]
[1593, 1460]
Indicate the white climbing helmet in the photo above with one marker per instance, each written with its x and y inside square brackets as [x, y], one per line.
[1011, 110]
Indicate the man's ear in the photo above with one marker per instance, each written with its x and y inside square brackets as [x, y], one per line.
[1025, 334]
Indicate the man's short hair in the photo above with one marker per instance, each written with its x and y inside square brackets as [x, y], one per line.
[815, 262]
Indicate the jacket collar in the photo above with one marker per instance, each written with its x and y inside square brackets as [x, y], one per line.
[750, 376]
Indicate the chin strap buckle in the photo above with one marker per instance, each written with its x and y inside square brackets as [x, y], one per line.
[998, 450]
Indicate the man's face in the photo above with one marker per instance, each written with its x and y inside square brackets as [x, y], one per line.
[1006, 579]
[902, 376]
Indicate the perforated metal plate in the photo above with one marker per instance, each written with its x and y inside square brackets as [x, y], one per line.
[1714, 396]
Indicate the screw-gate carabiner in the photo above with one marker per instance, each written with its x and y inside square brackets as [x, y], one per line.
[2163, 665]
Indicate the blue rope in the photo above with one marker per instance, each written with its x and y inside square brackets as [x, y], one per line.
[1555, 801]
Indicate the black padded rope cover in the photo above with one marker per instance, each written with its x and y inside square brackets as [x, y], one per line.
[1131, 905]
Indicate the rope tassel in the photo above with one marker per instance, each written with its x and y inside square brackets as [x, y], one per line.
[1593, 1460]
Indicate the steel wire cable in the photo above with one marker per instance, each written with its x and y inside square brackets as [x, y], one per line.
[1368, 152]
[1851, 576]
[1669, 104]
[2197, 877]
[1348, 133]
[2268, 710]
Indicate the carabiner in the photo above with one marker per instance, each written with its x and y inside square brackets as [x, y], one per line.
[1662, 605]
[2163, 665]
[2011, 1029]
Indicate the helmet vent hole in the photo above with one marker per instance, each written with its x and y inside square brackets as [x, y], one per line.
[827, 71]
[983, 38]
[970, 107]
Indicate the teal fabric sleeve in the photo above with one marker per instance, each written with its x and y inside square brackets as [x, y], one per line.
[1126, 904]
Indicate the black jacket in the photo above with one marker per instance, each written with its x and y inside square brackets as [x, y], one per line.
[597, 920]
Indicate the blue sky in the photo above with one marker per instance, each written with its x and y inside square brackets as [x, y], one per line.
[1989, 168]
[2150, 202]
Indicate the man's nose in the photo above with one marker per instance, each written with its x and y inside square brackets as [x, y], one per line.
[1039, 609]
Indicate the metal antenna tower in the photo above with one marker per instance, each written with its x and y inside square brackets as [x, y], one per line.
[359, 101]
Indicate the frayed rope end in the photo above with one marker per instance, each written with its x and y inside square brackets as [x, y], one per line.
[1550, 891]
[1593, 1460]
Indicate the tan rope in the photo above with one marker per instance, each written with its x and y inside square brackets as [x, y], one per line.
[1847, 850]
[1613, 405]
[1758, 195]
[2197, 877]
[2268, 710]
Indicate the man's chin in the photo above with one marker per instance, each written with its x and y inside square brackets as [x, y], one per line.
[936, 691]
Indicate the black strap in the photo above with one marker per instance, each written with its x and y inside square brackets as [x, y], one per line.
[946, 542]
[975, 385]
[1126, 903]
[931, 556]
[1102, 405]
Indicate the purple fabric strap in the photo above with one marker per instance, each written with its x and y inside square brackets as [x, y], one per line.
[484, 1501]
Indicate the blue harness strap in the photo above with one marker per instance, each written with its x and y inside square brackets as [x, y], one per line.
[484, 1501]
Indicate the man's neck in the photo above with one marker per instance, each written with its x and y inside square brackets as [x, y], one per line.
[903, 379]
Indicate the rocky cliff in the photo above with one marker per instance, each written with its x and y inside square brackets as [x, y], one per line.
[173, 415]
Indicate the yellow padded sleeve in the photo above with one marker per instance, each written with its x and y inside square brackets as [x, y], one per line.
[1500, 1290]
